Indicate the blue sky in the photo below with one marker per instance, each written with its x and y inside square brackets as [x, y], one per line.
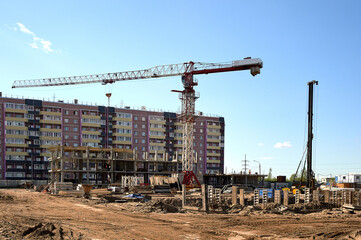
[298, 41]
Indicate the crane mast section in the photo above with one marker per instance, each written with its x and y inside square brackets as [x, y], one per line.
[154, 72]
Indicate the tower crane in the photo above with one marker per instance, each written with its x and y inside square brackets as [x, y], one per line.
[187, 96]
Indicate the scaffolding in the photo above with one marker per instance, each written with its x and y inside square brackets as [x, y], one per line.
[104, 165]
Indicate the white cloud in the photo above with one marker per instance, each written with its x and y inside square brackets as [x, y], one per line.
[261, 144]
[267, 158]
[38, 43]
[283, 145]
[24, 29]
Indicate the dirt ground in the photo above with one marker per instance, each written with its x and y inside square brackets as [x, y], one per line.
[32, 215]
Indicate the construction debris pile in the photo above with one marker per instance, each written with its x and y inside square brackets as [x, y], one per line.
[35, 230]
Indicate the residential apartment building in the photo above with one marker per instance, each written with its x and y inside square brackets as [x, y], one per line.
[30, 127]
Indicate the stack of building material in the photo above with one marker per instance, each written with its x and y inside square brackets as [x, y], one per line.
[162, 180]
[73, 193]
[130, 181]
[61, 186]
[115, 189]
[162, 184]
[162, 188]
[142, 189]
[100, 191]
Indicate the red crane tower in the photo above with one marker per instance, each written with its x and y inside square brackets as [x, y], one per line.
[188, 96]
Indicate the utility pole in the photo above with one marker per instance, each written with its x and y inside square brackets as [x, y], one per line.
[310, 174]
[245, 164]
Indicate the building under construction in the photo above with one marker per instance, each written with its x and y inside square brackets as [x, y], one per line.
[104, 165]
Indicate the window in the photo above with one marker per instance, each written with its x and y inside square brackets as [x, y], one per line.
[143, 126]
[75, 129]
[66, 128]
[143, 118]
[119, 138]
[75, 113]
[143, 148]
[75, 137]
[90, 136]
[143, 140]
[143, 134]
[121, 130]
[75, 120]
[123, 123]
[75, 144]
[66, 112]
[135, 140]
[15, 141]
[124, 115]
[135, 125]
[90, 120]
[135, 118]
[66, 136]
[14, 123]
[135, 133]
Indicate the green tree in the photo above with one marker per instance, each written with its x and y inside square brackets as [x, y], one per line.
[298, 177]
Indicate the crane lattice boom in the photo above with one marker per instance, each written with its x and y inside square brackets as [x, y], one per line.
[154, 72]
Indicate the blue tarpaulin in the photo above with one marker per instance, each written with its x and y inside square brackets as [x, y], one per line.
[134, 196]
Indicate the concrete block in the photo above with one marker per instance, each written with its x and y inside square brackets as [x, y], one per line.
[327, 196]
[234, 195]
[285, 197]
